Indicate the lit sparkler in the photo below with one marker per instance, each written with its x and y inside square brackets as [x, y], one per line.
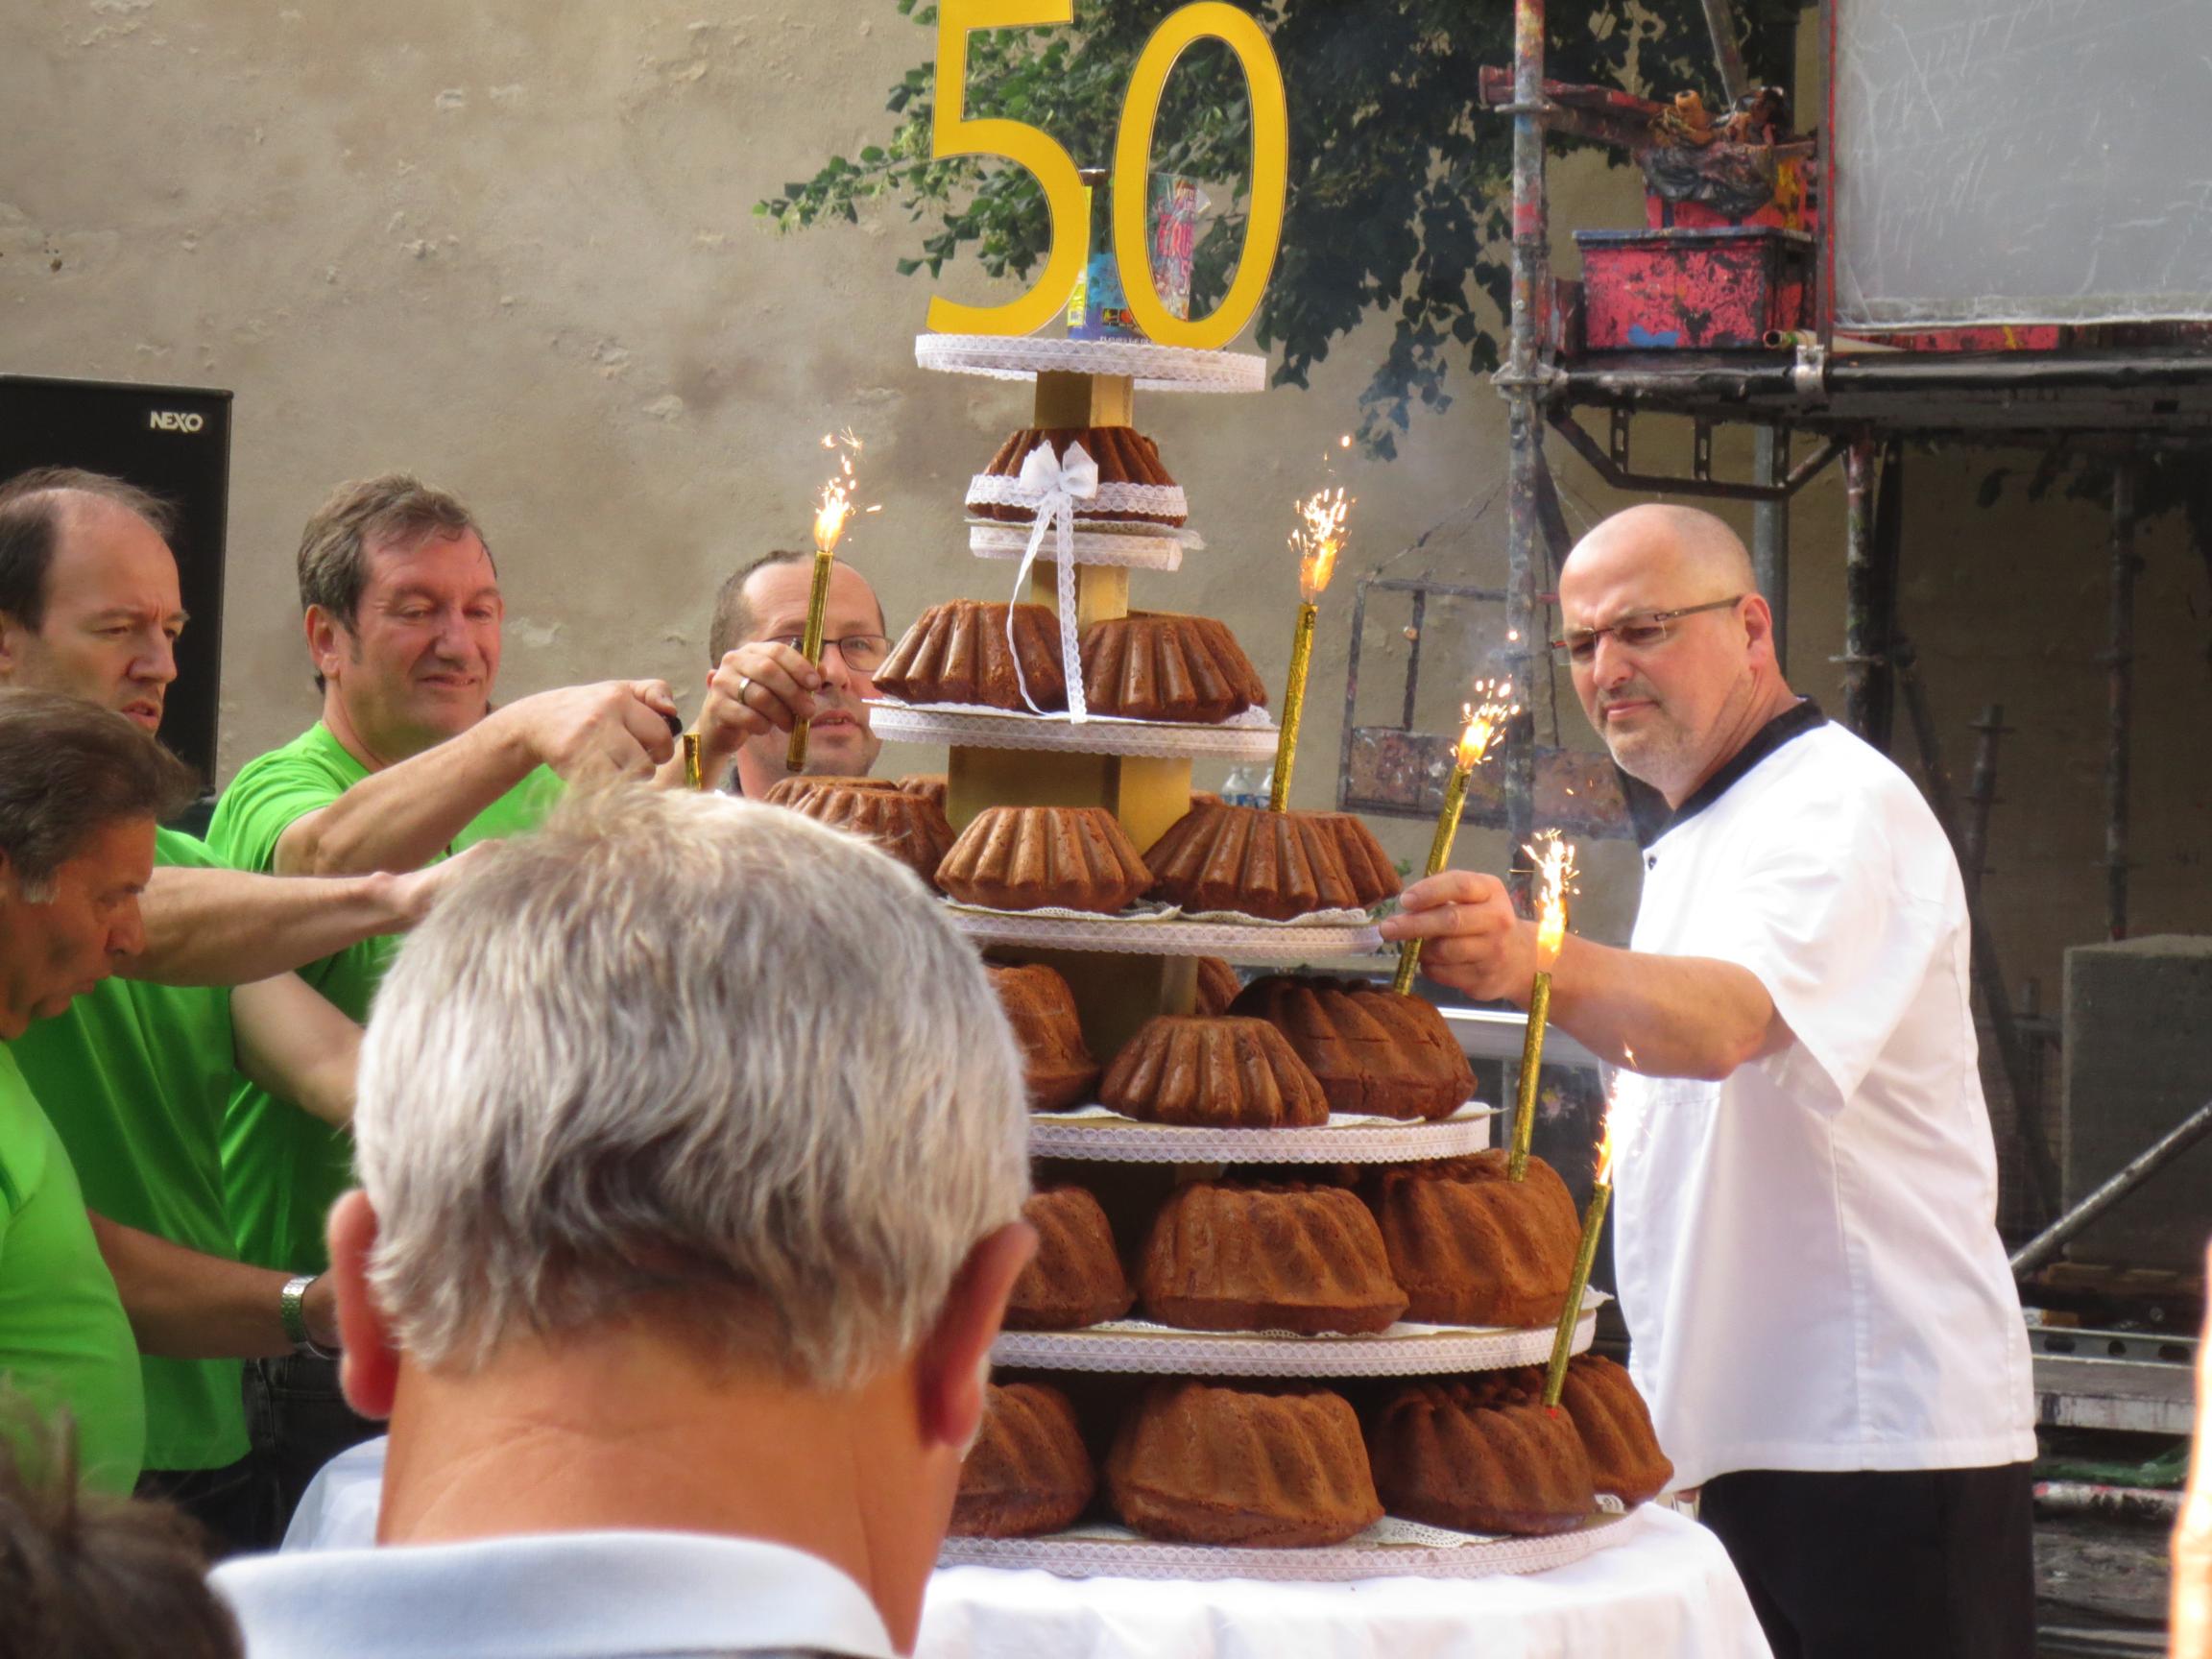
[1486, 719]
[832, 509]
[1554, 860]
[1317, 539]
[1618, 1128]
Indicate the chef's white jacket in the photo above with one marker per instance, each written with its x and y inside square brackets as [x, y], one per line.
[1807, 1253]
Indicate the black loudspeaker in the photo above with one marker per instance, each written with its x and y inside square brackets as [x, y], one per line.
[174, 441]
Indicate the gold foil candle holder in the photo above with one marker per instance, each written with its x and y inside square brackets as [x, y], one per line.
[1317, 540]
[1485, 720]
[832, 508]
[1555, 875]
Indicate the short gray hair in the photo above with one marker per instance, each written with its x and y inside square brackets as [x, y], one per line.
[681, 1056]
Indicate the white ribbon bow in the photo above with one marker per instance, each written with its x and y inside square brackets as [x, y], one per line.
[1053, 484]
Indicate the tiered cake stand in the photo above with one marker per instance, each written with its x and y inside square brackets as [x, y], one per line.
[1123, 971]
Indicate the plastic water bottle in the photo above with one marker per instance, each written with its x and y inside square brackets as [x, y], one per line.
[1247, 786]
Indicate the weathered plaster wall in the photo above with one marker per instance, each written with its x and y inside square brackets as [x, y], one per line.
[509, 245]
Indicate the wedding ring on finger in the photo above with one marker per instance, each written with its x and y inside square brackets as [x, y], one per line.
[744, 685]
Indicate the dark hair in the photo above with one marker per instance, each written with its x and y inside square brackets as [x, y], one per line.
[69, 768]
[734, 620]
[97, 1577]
[31, 505]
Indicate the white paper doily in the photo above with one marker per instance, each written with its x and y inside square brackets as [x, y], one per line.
[1147, 547]
[1112, 504]
[1154, 368]
[1137, 1346]
[1261, 943]
[1390, 1548]
[1094, 1135]
[972, 725]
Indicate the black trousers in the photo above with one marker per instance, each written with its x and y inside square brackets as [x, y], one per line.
[299, 1421]
[236, 1504]
[1905, 1564]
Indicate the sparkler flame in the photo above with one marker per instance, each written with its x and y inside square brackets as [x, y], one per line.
[1555, 873]
[1318, 539]
[834, 505]
[1619, 1121]
[1485, 718]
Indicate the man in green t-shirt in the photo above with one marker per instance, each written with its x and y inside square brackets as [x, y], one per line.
[408, 762]
[135, 1076]
[80, 1296]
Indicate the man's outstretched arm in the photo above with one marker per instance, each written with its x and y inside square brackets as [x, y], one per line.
[207, 926]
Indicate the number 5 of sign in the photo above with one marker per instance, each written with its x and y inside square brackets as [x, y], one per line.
[952, 133]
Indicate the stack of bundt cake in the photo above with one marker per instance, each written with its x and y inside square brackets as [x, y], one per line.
[1374, 1050]
[1151, 665]
[1027, 857]
[1274, 865]
[1481, 1455]
[1616, 1428]
[1217, 986]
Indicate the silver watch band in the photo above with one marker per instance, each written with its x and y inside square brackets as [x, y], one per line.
[292, 1309]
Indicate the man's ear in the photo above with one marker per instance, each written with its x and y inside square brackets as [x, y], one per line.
[369, 1368]
[955, 1358]
[1759, 625]
[12, 634]
[323, 640]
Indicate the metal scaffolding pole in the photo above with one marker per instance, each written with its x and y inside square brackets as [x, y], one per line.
[1857, 659]
[1771, 533]
[1720, 19]
[1521, 384]
[2120, 660]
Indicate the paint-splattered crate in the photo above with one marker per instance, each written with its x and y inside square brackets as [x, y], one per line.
[1693, 290]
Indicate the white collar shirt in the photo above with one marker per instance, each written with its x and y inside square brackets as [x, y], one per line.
[1807, 1253]
[552, 1595]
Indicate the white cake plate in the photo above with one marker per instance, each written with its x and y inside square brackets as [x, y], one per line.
[973, 726]
[1390, 1548]
[1150, 549]
[1261, 944]
[1154, 368]
[1138, 1347]
[1096, 1136]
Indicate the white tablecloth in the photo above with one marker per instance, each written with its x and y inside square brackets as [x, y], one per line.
[1665, 1592]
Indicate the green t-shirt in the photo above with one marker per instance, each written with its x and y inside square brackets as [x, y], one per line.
[135, 1078]
[64, 1343]
[282, 1168]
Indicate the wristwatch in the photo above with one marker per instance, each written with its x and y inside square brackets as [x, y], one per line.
[292, 1309]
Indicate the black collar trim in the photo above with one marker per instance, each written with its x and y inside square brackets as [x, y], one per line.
[1790, 724]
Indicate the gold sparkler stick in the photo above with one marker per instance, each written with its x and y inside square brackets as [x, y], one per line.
[1592, 1223]
[693, 780]
[1483, 725]
[832, 508]
[1556, 872]
[1318, 538]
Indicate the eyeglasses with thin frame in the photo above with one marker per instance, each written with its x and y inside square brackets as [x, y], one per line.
[1642, 631]
[863, 653]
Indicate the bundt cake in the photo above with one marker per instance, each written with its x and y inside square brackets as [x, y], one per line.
[1027, 1471]
[929, 786]
[1026, 857]
[958, 653]
[1055, 1064]
[1220, 1073]
[1275, 865]
[790, 791]
[1470, 1247]
[1154, 665]
[1200, 1463]
[1124, 456]
[1481, 1455]
[1226, 1257]
[1616, 1430]
[1373, 874]
[910, 828]
[1373, 1050]
[1075, 1278]
[1217, 986]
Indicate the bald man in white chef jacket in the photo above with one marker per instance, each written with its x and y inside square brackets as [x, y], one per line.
[1805, 1237]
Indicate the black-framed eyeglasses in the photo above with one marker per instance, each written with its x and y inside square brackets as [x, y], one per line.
[1637, 632]
[863, 653]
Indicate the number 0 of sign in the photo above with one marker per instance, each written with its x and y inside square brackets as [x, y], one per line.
[952, 133]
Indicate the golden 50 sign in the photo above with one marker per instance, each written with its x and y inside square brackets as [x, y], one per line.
[952, 133]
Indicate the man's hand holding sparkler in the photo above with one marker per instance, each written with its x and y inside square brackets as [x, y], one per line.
[763, 685]
[1472, 940]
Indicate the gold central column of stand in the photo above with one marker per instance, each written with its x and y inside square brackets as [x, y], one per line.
[1115, 992]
